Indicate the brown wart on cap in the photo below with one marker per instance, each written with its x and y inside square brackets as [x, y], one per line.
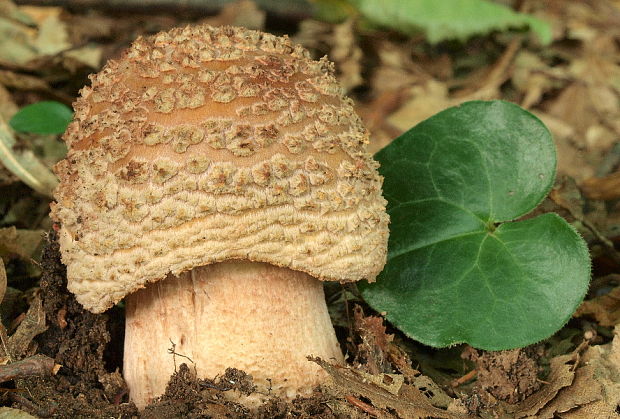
[214, 177]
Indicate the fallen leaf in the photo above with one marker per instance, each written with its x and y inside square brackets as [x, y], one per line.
[409, 403]
[562, 375]
[2, 280]
[24, 164]
[19, 242]
[32, 325]
[347, 55]
[52, 37]
[605, 309]
[426, 100]
[239, 13]
[11, 413]
[606, 188]
[604, 363]
[584, 389]
[371, 352]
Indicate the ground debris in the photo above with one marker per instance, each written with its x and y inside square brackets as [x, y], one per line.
[509, 376]
[605, 308]
[582, 384]
[601, 365]
[387, 396]
[19, 343]
[372, 351]
[34, 366]
[561, 376]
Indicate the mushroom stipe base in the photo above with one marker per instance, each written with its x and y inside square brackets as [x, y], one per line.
[256, 317]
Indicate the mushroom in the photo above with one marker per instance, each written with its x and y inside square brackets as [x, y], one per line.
[215, 176]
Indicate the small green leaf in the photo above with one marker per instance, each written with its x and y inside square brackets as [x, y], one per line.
[458, 270]
[454, 19]
[42, 118]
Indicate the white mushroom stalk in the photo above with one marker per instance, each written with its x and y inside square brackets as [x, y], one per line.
[256, 317]
[204, 145]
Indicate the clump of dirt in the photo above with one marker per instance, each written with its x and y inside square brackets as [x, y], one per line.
[189, 397]
[509, 376]
[77, 340]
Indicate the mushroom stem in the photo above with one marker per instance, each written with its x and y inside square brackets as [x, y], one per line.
[259, 318]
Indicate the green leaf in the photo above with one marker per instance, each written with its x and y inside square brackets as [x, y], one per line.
[42, 118]
[453, 19]
[458, 270]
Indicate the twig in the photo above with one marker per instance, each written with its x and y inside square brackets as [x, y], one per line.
[33, 407]
[34, 366]
[363, 406]
[465, 378]
[172, 351]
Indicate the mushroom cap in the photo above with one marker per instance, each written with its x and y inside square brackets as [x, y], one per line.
[205, 144]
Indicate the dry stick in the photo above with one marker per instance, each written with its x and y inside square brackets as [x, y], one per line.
[34, 366]
[363, 406]
[465, 378]
[41, 412]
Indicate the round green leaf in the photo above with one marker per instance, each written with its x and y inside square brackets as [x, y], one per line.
[42, 118]
[454, 274]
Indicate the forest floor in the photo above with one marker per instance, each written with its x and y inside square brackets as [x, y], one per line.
[62, 361]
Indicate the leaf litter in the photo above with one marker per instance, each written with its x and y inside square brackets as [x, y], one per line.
[573, 85]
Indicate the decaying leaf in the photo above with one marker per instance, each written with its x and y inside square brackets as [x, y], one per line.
[340, 42]
[239, 13]
[605, 309]
[426, 100]
[509, 375]
[408, 403]
[605, 188]
[24, 164]
[562, 375]
[2, 280]
[583, 390]
[32, 325]
[604, 368]
[18, 242]
[10, 413]
[374, 346]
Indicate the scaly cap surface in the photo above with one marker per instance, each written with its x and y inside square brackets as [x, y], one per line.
[205, 144]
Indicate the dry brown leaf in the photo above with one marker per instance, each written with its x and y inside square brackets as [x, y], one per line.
[604, 362]
[396, 69]
[8, 108]
[22, 81]
[32, 325]
[2, 280]
[583, 390]
[606, 188]
[22, 243]
[426, 100]
[239, 13]
[409, 403]
[340, 42]
[605, 309]
[374, 346]
[52, 37]
[347, 55]
[562, 375]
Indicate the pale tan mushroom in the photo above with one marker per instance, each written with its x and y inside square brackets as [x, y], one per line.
[214, 177]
